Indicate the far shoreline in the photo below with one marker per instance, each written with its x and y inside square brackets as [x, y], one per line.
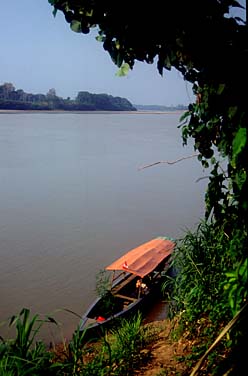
[138, 112]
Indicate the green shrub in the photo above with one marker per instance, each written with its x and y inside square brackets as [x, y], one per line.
[209, 289]
[23, 356]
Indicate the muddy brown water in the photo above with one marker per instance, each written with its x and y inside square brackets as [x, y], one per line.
[73, 198]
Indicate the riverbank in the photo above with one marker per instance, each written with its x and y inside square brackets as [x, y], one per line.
[164, 354]
[160, 355]
[90, 112]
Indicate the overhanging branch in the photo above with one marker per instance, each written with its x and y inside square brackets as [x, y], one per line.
[168, 162]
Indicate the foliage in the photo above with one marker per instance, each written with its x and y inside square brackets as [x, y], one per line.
[200, 263]
[117, 354]
[109, 304]
[11, 99]
[129, 339]
[23, 356]
[227, 328]
[209, 289]
[103, 283]
[103, 102]
[237, 285]
[204, 262]
[74, 351]
[154, 107]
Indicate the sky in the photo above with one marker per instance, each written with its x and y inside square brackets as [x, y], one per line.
[39, 52]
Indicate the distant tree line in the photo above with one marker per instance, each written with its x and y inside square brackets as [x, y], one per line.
[156, 107]
[12, 99]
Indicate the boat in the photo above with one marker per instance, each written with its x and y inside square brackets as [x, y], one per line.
[136, 278]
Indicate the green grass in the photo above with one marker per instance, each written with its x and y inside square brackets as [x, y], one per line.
[23, 355]
[210, 287]
[118, 353]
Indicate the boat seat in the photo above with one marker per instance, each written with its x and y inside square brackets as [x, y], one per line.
[125, 297]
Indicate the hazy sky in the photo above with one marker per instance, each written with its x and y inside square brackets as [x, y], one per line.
[39, 52]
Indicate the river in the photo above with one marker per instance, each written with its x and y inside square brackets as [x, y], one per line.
[73, 198]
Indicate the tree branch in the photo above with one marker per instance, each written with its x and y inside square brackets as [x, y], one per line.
[168, 162]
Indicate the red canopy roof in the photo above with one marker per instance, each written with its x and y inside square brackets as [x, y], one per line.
[145, 258]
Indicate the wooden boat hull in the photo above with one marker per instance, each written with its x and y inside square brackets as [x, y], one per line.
[95, 329]
[134, 289]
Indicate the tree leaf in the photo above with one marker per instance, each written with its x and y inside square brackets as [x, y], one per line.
[55, 12]
[232, 111]
[240, 178]
[76, 26]
[119, 60]
[238, 143]
[220, 89]
[123, 71]
[100, 38]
